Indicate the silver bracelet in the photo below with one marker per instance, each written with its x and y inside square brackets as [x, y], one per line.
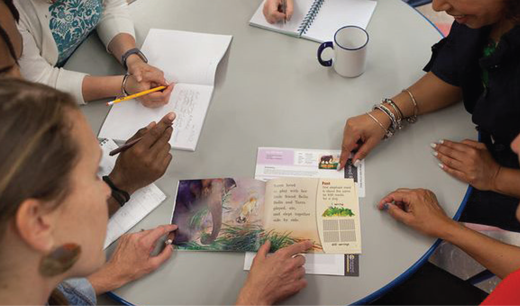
[397, 112]
[412, 119]
[393, 126]
[388, 133]
[123, 85]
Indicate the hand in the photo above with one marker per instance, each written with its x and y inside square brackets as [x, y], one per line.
[273, 10]
[132, 259]
[144, 77]
[147, 160]
[362, 134]
[276, 277]
[418, 209]
[468, 161]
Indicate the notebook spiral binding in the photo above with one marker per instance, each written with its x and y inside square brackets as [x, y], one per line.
[309, 18]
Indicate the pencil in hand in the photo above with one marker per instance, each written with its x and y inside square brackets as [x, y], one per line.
[137, 95]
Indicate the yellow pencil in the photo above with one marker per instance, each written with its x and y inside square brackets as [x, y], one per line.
[137, 95]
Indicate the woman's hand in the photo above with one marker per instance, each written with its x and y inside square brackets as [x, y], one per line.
[273, 10]
[132, 259]
[361, 135]
[144, 77]
[468, 161]
[146, 161]
[418, 209]
[276, 277]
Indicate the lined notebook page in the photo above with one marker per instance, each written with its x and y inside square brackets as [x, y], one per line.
[142, 202]
[291, 27]
[335, 14]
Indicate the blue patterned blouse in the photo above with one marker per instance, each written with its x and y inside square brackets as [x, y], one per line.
[71, 21]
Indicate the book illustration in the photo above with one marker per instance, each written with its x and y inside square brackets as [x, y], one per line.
[224, 215]
[338, 212]
[231, 214]
[329, 162]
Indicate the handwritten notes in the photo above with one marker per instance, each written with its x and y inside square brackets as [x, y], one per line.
[188, 59]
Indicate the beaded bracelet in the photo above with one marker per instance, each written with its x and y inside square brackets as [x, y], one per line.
[394, 125]
[412, 119]
[388, 133]
[395, 107]
[398, 115]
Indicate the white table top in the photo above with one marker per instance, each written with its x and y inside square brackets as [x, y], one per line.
[271, 91]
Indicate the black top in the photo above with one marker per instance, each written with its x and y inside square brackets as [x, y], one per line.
[459, 60]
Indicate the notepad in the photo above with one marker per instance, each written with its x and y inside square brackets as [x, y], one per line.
[318, 20]
[188, 59]
[142, 202]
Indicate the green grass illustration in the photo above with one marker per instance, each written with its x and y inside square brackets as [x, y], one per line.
[338, 212]
[245, 239]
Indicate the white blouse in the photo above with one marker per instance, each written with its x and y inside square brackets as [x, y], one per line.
[41, 53]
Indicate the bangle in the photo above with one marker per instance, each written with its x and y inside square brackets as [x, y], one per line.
[412, 119]
[394, 125]
[395, 107]
[397, 115]
[123, 85]
[121, 196]
[388, 133]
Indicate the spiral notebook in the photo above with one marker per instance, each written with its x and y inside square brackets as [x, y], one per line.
[142, 203]
[318, 20]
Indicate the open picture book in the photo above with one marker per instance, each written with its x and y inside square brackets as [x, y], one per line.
[239, 215]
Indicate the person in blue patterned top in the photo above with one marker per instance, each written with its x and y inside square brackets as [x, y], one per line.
[53, 29]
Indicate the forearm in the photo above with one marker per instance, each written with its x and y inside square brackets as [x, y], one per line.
[100, 87]
[500, 258]
[120, 45]
[105, 280]
[431, 94]
[508, 182]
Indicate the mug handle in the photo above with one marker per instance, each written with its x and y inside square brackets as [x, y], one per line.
[323, 46]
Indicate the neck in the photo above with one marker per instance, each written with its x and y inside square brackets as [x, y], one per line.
[500, 28]
[20, 280]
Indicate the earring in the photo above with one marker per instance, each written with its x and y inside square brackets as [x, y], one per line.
[60, 260]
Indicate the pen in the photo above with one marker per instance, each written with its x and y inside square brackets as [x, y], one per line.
[284, 10]
[125, 147]
[137, 95]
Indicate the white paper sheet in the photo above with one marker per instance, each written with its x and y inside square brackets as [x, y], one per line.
[142, 202]
[188, 59]
[322, 264]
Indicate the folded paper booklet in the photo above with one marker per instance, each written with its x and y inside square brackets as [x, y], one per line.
[239, 215]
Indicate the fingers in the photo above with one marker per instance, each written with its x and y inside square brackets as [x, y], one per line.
[263, 250]
[349, 144]
[400, 195]
[451, 149]
[448, 161]
[271, 12]
[455, 173]
[397, 213]
[363, 151]
[158, 260]
[296, 248]
[157, 131]
[474, 144]
[290, 9]
[153, 235]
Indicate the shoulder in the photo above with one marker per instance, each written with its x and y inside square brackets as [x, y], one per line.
[31, 13]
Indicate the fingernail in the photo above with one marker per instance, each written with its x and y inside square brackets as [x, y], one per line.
[171, 116]
[434, 153]
[386, 206]
[357, 163]
[440, 141]
[150, 125]
[433, 145]
[168, 242]
[441, 166]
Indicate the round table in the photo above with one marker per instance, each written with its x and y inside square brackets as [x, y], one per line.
[270, 91]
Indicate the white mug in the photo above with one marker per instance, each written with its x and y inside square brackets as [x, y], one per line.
[350, 51]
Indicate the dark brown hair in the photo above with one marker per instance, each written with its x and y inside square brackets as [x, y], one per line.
[3, 33]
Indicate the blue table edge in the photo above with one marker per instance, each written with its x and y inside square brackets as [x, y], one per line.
[401, 278]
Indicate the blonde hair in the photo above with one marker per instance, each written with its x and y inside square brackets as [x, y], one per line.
[37, 152]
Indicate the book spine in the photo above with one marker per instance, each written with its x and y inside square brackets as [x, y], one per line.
[309, 18]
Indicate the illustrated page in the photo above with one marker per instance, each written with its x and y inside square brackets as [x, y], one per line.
[219, 215]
